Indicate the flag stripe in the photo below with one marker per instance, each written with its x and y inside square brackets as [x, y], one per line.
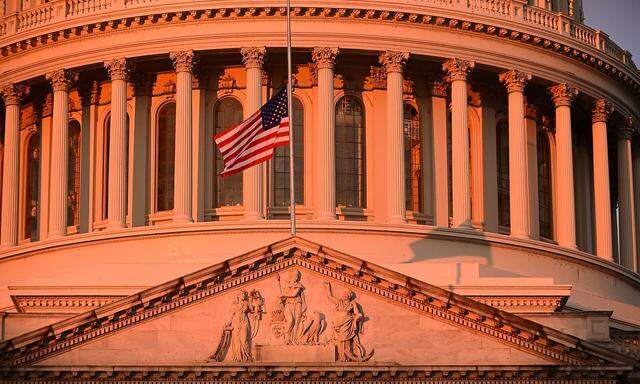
[260, 144]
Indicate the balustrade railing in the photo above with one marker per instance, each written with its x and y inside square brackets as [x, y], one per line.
[508, 10]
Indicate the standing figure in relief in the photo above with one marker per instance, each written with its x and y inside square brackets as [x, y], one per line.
[294, 306]
[347, 327]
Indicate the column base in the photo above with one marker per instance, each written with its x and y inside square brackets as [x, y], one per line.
[326, 216]
[113, 226]
[182, 219]
[253, 216]
[522, 236]
[464, 225]
[56, 235]
[397, 220]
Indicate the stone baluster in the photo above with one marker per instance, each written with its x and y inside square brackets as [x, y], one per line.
[563, 96]
[458, 71]
[519, 198]
[602, 197]
[117, 209]
[182, 201]
[628, 249]
[12, 95]
[325, 171]
[394, 63]
[252, 178]
[61, 81]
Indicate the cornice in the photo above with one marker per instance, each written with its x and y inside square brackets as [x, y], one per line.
[513, 32]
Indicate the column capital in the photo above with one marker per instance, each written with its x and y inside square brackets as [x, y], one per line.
[458, 69]
[143, 83]
[118, 68]
[602, 110]
[439, 89]
[628, 130]
[13, 93]
[515, 80]
[325, 57]
[394, 61]
[563, 95]
[253, 57]
[61, 79]
[183, 61]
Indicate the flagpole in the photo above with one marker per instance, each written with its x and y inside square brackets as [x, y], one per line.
[292, 194]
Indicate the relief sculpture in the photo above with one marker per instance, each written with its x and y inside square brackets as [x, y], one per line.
[237, 335]
[347, 327]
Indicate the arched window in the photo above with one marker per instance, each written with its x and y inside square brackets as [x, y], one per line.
[32, 190]
[350, 153]
[545, 192]
[166, 139]
[228, 189]
[412, 158]
[502, 145]
[73, 174]
[281, 162]
[105, 172]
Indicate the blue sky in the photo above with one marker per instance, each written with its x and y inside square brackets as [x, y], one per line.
[620, 19]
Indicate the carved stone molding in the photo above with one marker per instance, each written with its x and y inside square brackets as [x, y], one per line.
[439, 89]
[602, 110]
[515, 80]
[563, 95]
[253, 57]
[13, 93]
[66, 303]
[325, 57]
[531, 111]
[89, 92]
[118, 68]
[377, 78]
[458, 69]
[61, 79]
[183, 61]
[200, 78]
[143, 83]
[394, 61]
[628, 130]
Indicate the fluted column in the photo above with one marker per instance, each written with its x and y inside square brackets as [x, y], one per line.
[440, 156]
[61, 81]
[182, 207]
[325, 171]
[519, 203]
[628, 249]
[117, 209]
[458, 70]
[601, 187]
[394, 63]
[563, 96]
[12, 95]
[252, 178]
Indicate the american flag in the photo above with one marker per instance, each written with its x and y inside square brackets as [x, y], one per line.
[253, 141]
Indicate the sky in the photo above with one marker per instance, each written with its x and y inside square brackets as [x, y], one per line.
[620, 19]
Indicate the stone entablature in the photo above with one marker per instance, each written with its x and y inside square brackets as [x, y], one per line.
[54, 22]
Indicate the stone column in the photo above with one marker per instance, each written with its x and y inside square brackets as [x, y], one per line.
[458, 71]
[563, 96]
[635, 147]
[117, 209]
[627, 233]
[440, 156]
[252, 178]
[61, 81]
[183, 180]
[12, 95]
[515, 82]
[200, 141]
[142, 90]
[601, 187]
[325, 170]
[531, 126]
[394, 63]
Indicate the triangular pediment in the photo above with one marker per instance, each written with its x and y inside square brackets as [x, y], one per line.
[299, 301]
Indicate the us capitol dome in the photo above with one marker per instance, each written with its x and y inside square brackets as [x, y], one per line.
[467, 185]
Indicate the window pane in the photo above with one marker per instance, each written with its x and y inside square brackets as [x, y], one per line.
[544, 187]
[412, 158]
[166, 156]
[228, 189]
[350, 153]
[73, 174]
[281, 162]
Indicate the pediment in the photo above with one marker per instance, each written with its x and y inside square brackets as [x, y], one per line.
[297, 301]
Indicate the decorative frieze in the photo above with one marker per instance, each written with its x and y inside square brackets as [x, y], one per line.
[89, 92]
[439, 89]
[61, 79]
[393, 61]
[458, 69]
[602, 110]
[325, 57]
[183, 61]
[143, 83]
[563, 94]
[65, 303]
[253, 57]
[515, 80]
[13, 93]
[118, 68]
